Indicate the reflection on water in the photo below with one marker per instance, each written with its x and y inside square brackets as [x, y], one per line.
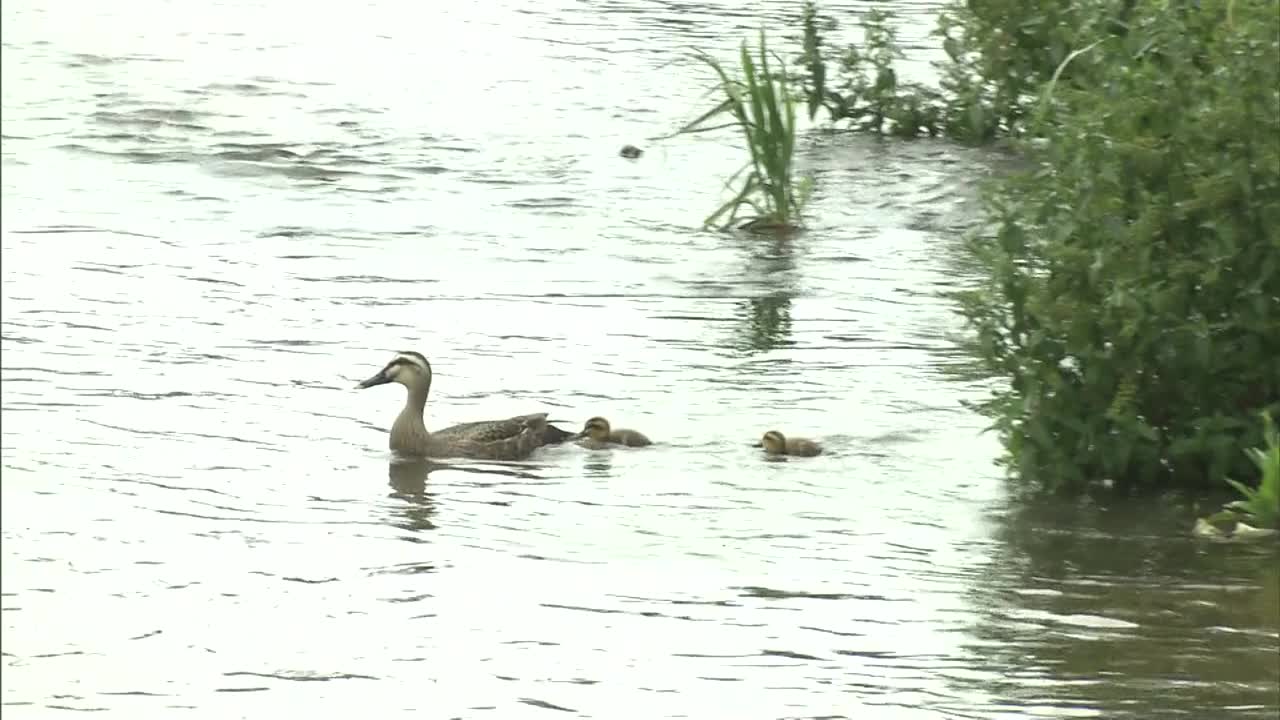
[409, 484]
[1102, 603]
[598, 465]
[771, 271]
[214, 223]
[767, 322]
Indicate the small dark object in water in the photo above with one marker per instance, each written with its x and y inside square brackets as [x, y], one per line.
[631, 152]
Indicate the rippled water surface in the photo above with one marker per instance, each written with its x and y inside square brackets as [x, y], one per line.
[219, 216]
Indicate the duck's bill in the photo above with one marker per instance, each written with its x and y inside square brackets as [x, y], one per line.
[379, 379]
[757, 444]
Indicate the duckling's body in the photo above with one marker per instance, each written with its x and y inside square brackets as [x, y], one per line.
[597, 434]
[510, 439]
[775, 443]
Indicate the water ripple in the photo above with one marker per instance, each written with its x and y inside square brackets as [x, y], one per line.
[216, 224]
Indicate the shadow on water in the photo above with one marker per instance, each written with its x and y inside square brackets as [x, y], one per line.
[1095, 604]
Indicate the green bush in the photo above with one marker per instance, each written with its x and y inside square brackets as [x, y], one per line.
[1001, 54]
[1132, 299]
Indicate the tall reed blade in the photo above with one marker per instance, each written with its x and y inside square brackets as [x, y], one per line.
[761, 106]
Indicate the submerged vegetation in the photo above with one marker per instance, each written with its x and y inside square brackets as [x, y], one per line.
[1129, 298]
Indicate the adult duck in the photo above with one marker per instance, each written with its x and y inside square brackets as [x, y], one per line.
[511, 438]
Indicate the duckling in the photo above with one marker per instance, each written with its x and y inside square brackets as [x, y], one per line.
[775, 443]
[510, 439]
[597, 434]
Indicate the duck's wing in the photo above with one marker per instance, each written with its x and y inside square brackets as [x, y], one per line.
[491, 430]
[510, 439]
[495, 430]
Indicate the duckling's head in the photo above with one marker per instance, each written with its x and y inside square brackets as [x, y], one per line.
[408, 368]
[597, 428]
[774, 443]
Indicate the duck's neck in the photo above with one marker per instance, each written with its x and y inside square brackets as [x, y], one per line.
[409, 433]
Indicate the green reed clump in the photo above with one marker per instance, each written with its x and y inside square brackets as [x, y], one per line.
[759, 103]
[1262, 504]
[1130, 299]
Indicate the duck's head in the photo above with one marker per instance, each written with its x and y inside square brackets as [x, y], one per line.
[408, 368]
[774, 443]
[597, 428]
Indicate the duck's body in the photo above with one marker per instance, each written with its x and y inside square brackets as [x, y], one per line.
[597, 434]
[509, 439]
[775, 443]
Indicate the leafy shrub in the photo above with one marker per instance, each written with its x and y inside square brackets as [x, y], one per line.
[1132, 298]
[864, 89]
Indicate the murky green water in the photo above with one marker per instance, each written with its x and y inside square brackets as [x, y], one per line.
[218, 217]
